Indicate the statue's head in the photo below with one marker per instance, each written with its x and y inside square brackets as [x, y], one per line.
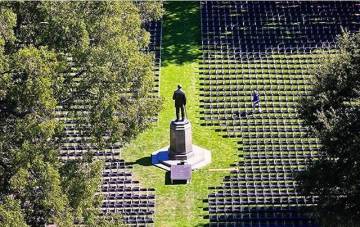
[179, 86]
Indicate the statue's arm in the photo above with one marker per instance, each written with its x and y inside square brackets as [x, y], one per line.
[174, 96]
[184, 100]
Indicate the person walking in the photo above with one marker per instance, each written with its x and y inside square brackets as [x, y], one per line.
[255, 98]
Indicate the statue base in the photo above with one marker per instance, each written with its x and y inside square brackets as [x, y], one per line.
[200, 158]
[181, 149]
[180, 140]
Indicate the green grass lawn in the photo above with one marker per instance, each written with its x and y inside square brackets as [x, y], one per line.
[180, 205]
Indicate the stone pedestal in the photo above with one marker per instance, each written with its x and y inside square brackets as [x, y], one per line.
[180, 140]
[181, 149]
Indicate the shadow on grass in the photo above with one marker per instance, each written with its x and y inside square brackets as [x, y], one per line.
[181, 31]
[144, 161]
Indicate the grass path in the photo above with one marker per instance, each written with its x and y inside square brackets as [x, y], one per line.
[180, 205]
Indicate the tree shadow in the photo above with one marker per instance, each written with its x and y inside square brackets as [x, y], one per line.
[262, 215]
[181, 32]
[288, 26]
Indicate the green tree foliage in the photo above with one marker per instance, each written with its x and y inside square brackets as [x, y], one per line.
[10, 213]
[332, 112]
[78, 55]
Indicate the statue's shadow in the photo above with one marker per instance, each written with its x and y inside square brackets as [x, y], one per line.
[144, 161]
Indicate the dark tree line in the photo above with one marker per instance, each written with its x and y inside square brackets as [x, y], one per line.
[79, 55]
[332, 113]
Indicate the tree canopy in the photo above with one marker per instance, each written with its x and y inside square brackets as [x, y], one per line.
[84, 57]
[333, 115]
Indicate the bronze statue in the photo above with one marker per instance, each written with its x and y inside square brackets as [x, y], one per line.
[180, 103]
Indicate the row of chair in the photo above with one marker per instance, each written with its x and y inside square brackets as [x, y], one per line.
[121, 193]
[271, 47]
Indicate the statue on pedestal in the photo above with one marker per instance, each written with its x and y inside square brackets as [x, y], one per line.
[180, 103]
[181, 149]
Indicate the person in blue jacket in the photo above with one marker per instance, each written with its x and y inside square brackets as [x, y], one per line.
[255, 98]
